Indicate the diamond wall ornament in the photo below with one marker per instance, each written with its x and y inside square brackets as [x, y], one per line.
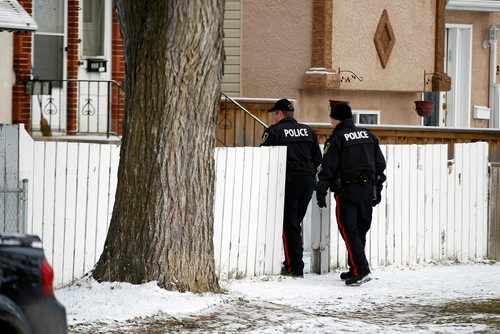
[384, 38]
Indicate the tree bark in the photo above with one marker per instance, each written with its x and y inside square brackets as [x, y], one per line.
[162, 223]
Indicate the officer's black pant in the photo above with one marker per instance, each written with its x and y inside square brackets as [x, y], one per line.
[298, 192]
[354, 216]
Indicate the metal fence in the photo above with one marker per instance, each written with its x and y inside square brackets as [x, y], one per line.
[76, 106]
[13, 208]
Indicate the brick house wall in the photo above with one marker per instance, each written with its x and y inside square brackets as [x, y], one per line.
[72, 63]
[23, 52]
[22, 69]
[118, 75]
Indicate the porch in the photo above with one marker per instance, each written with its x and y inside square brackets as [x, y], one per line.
[75, 107]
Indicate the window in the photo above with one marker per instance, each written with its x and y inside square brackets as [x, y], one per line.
[48, 48]
[93, 28]
[366, 117]
[433, 119]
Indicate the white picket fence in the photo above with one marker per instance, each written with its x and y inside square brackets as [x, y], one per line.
[249, 200]
[72, 187]
[431, 210]
[71, 196]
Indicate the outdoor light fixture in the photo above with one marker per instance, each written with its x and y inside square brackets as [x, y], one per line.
[492, 36]
[493, 33]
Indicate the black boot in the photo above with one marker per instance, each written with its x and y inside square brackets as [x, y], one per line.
[346, 275]
[358, 280]
[284, 272]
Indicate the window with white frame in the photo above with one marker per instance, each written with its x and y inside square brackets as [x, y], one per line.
[366, 117]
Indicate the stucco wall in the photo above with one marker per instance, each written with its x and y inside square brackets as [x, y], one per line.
[6, 77]
[276, 52]
[277, 37]
[391, 90]
[276, 47]
[395, 108]
[354, 27]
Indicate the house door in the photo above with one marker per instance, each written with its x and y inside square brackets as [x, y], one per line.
[95, 60]
[49, 62]
[458, 65]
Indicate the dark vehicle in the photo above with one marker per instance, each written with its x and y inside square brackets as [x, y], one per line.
[27, 301]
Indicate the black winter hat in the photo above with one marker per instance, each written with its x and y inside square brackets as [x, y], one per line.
[282, 105]
[341, 111]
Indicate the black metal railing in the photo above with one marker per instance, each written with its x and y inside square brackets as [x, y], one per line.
[76, 106]
[236, 126]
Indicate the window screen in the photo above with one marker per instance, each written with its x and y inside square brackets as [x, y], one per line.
[48, 41]
[48, 62]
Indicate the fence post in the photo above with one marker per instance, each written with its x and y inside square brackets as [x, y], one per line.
[494, 212]
[24, 206]
[320, 237]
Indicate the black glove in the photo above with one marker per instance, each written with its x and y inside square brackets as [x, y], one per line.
[321, 201]
[377, 188]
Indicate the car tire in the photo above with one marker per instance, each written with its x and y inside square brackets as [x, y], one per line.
[12, 319]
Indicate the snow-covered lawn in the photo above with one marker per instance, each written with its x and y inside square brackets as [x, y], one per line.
[458, 298]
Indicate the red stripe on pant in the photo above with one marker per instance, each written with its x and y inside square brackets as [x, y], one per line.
[287, 256]
[342, 230]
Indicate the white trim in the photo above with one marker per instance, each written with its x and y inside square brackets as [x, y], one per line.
[13, 17]
[458, 25]
[474, 5]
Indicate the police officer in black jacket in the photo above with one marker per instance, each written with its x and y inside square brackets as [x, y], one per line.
[302, 160]
[353, 168]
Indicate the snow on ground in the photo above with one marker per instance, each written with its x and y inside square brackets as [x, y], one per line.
[90, 301]
[396, 300]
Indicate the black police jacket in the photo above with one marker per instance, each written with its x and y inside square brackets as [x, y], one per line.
[350, 153]
[303, 154]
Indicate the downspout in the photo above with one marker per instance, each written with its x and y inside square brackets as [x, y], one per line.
[494, 109]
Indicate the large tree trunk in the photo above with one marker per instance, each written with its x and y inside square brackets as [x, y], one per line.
[162, 223]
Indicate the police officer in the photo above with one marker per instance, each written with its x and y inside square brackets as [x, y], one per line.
[353, 168]
[302, 160]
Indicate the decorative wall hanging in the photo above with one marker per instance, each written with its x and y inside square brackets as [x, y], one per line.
[384, 38]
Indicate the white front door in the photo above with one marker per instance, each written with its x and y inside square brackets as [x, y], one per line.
[95, 51]
[458, 66]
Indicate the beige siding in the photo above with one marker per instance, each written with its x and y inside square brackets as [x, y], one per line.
[232, 42]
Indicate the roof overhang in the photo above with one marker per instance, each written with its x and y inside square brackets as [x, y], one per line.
[13, 17]
[474, 5]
